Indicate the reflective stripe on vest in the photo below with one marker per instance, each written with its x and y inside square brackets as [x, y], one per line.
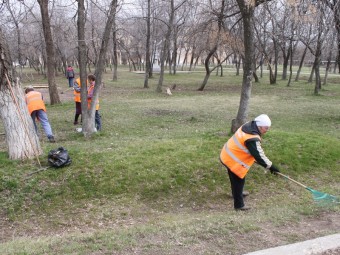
[235, 158]
[235, 154]
[239, 144]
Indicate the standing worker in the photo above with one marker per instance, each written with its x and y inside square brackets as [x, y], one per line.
[92, 80]
[240, 153]
[37, 110]
[70, 75]
[77, 100]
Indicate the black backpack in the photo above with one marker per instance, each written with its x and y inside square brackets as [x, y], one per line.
[59, 157]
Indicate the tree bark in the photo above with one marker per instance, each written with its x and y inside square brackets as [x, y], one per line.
[217, 39]
[115, 51]
[21, 138]
[207, 69]
[52, 86]
[89, 114]
[301, 64]
[166, 44]
[290, 64]
[82, 57]
[147, 46]
[247, 12]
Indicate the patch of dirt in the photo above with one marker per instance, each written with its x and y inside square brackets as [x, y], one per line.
[305, 229]
[263, 236]
[65, 94]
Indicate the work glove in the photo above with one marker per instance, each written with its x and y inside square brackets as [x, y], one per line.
[274, 170]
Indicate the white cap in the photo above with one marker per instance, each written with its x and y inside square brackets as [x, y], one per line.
[263, 121]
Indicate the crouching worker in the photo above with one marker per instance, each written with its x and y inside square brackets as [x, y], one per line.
[240, 153]
[37, 110]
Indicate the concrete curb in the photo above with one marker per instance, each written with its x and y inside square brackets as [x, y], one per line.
[310, 247]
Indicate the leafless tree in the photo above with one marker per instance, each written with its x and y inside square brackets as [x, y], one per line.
[89, 114]
[50, 52]
[216, 34]
[247, 12]
[334, 5]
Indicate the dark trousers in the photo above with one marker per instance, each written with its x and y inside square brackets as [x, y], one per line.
[78, 108]
[237, 185]
[98, 121]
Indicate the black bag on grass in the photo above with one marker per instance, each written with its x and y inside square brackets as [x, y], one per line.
[59, 157]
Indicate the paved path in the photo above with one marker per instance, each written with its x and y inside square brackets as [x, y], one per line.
[311, 247]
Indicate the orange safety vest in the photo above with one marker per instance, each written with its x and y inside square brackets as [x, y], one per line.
[89, 100]
[34, 101]
[77, 95]
[235, 154]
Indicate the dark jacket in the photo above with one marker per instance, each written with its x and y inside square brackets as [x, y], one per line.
[254, 145]
[69, 73]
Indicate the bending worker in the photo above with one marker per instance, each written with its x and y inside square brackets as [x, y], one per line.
[37, 110]
[240, 153]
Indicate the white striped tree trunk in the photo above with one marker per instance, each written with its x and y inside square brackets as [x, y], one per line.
[21, 138]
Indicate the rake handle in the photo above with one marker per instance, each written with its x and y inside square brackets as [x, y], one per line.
[287, 177]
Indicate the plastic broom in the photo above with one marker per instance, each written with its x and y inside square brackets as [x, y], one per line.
[319, 197]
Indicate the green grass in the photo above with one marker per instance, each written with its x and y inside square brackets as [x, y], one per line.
[151, 181]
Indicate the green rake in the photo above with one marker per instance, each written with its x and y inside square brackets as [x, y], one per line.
[319, 197]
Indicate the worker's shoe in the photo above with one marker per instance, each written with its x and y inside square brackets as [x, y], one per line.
[243, 208]
[245, 193]
[51, 139]
[75, 123]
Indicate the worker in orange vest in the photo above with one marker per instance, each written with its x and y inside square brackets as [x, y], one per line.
[240, 153]
[92, 81]
[77, 99]
[37, 110]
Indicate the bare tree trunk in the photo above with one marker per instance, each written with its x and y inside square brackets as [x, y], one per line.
[301, 64]
[52, 86]
[261, 67]
[207, 69]
[328, 65]
[310, 79]
[290, 64]
[115, 50]
[115, 55]
[286, 58]
[166, 46]
[21, 138]
[220, 17]
[89, 114]
[317, 77]
[147, 53]
[174, 52]
[329, 58]
[161, 74]
[336, 10]
[82, 58]
[256, 78]
[238, 66]
[185, 58]
[193, 54]
[317, 61]
[276, 56]
[247, 12]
